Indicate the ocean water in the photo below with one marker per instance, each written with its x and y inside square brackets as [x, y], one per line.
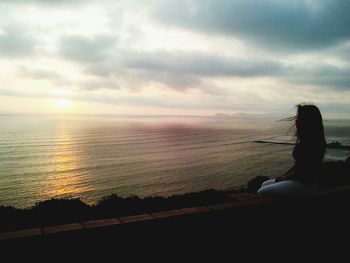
[90, 157]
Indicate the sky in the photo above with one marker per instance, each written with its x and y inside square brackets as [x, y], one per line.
[167, 57]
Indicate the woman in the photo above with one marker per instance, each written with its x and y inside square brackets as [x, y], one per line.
[308, 154]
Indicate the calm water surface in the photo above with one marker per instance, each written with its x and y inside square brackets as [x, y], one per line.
[90, 157]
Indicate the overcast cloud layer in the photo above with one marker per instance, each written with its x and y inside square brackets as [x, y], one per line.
[188, 56]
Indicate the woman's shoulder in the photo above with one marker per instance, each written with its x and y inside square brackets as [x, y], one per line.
[308, 150]
[309, 145]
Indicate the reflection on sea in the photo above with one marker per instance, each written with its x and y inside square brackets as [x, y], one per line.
[91, 157]
[64, 181]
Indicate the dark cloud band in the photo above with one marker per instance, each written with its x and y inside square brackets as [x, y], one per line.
[285, 25]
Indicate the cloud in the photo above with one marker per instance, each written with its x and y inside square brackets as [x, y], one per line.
[42, 2]
[287, 25]
[136, 79]
[16, 41]
[201, 64]
[86, 49]
[60, 80]
[341, 52]
[170, 80]
[198, 54]
[323, 75]
[55, 77]
[39, 74]
[180, 70]
[99, 83]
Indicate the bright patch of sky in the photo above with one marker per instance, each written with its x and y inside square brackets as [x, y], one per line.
[197, 57]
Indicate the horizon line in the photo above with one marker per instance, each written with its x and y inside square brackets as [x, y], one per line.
[214, 116]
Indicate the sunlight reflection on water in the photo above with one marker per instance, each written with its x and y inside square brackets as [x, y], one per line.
[42, 157]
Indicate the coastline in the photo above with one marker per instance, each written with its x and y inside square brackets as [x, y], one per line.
[242, 223]
[65, 211]
[54, 212]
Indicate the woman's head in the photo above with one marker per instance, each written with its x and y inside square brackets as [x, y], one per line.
[309, 124]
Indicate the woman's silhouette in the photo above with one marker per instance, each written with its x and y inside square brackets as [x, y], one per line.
[308, 154]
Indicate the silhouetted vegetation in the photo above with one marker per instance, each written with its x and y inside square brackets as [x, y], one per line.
[61, 211]
[55, 211]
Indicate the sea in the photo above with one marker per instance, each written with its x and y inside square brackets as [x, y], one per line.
[89, 157]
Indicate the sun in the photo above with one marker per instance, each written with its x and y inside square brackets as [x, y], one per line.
[62, 104]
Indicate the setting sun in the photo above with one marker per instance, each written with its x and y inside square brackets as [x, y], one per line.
[62, 104]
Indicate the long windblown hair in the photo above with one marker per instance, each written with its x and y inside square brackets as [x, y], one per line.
[309, 125]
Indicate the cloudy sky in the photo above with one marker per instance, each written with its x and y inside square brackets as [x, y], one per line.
[183, 57]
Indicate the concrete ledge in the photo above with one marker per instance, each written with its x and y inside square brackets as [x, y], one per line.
[62, 228]
[195, 210]
[243, 196]
[221, 206]
[101, 223]
[21, 233]
[136, 218]
[165, 214]
[336, 189]
[251, 202]
[245, 200]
